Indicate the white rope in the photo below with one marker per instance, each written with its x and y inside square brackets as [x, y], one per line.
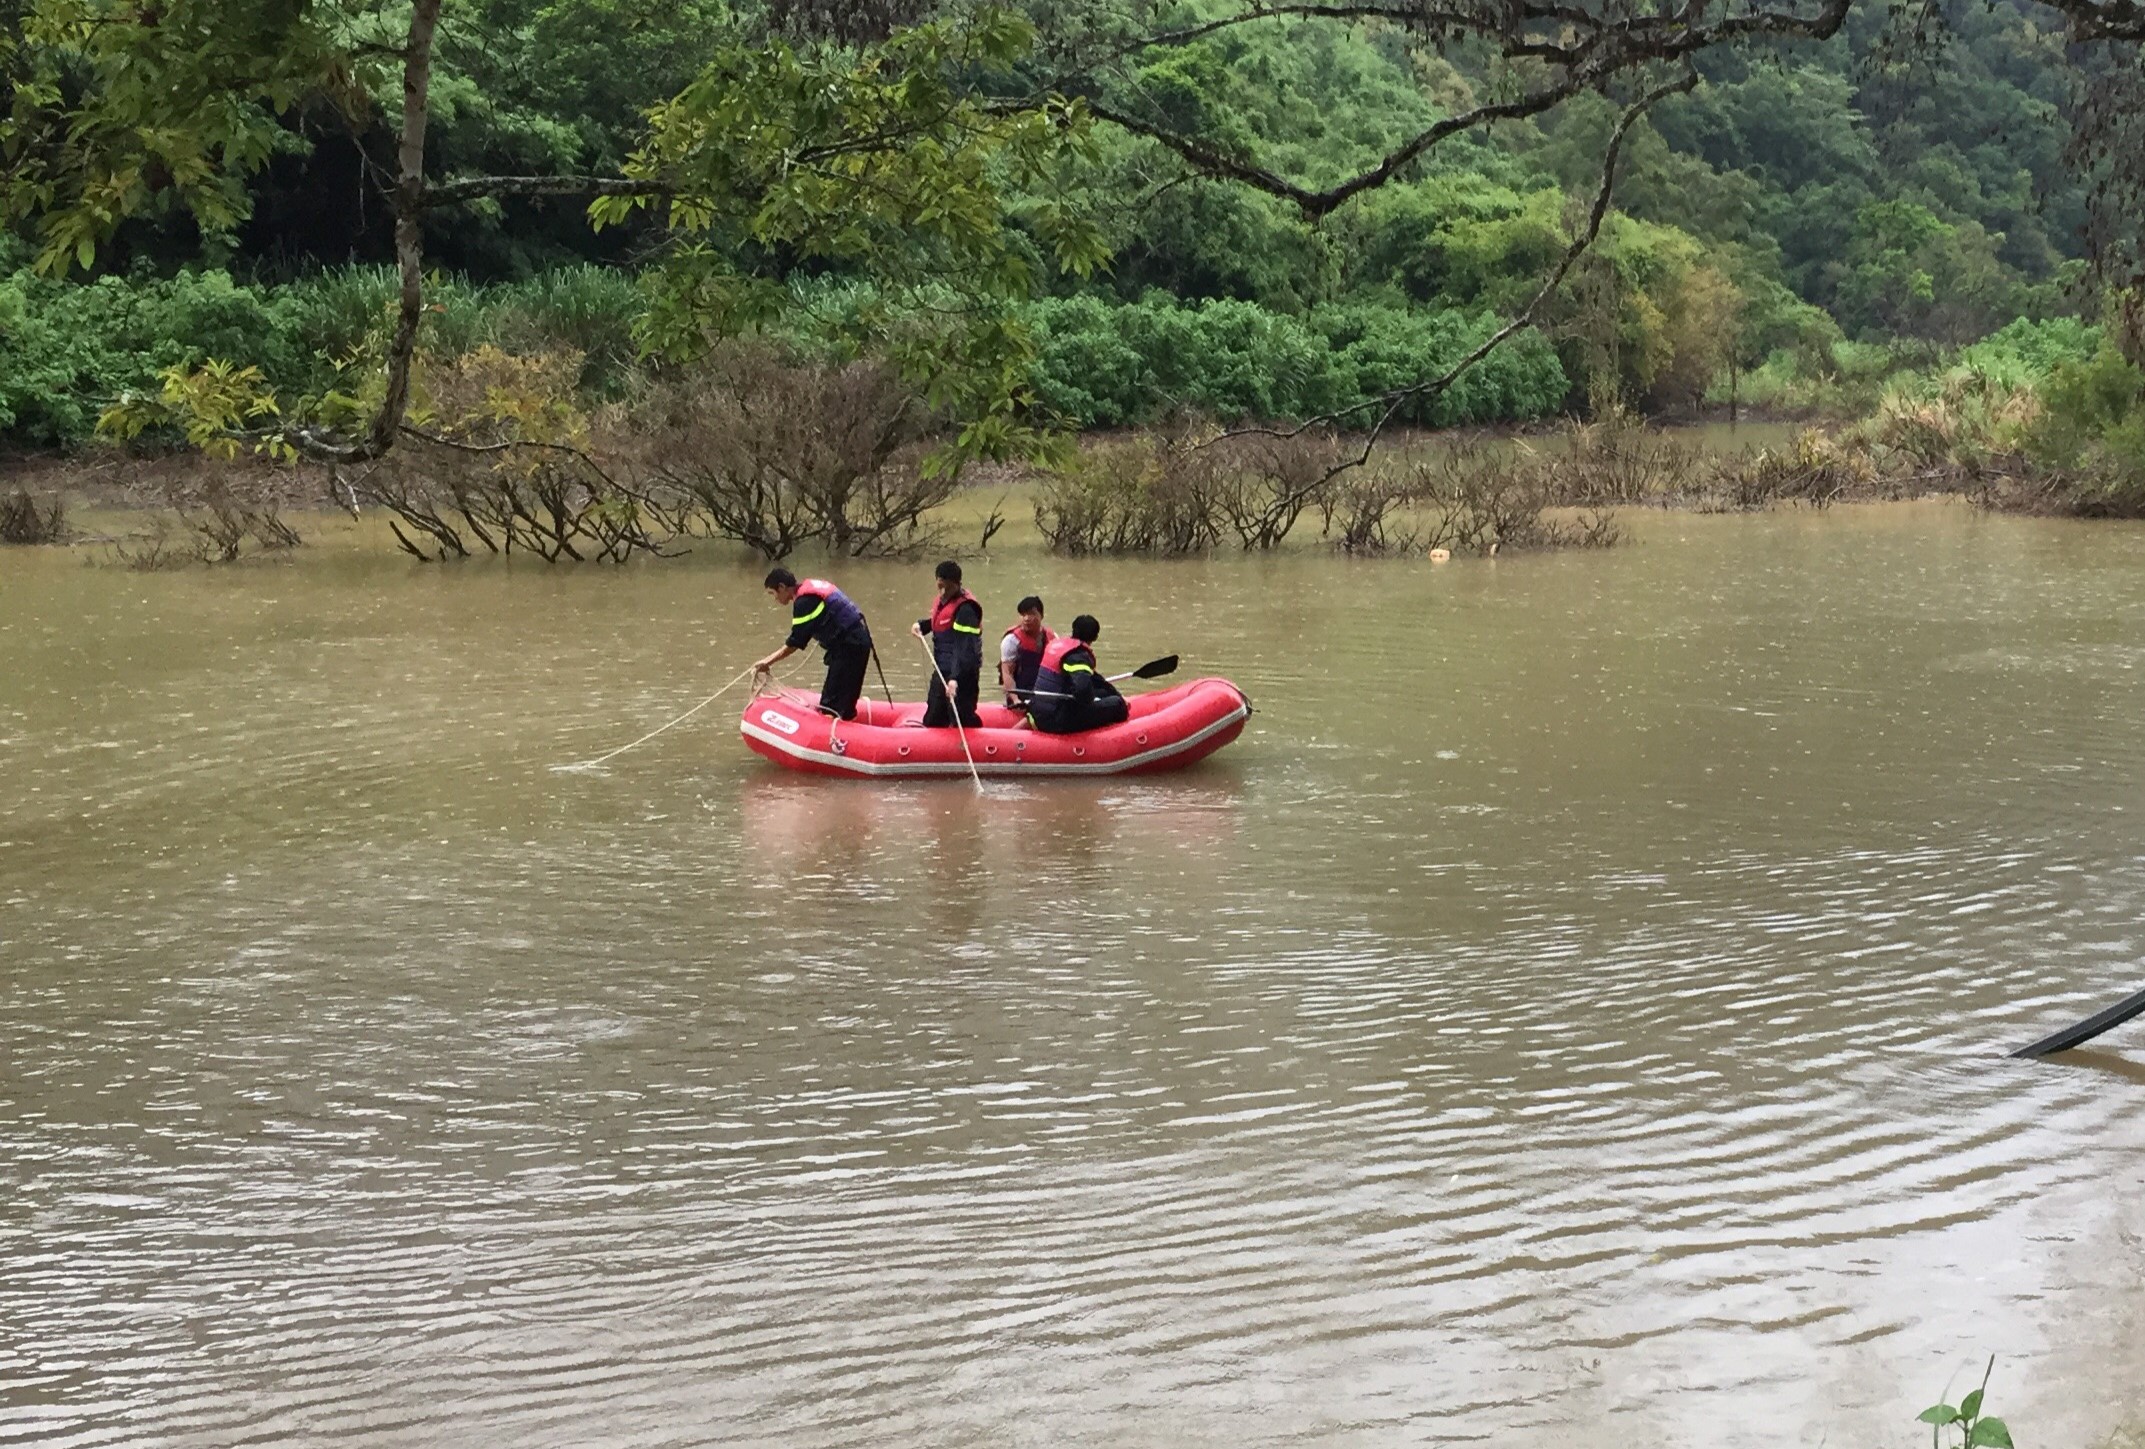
[681, 719]
[954, 705]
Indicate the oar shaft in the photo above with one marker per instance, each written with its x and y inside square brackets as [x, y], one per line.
[954, 704]
[2086, 1030]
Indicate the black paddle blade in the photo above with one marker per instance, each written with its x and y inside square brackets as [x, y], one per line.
[1156, 668]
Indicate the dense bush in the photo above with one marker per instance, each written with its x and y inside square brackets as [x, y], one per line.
[2090, 435]
[2027, 350]
[1841, 379]
[1107, 364]
[67, 350]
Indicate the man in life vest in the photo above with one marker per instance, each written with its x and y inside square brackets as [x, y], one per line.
[955, 629]
[1020, 653]
[819, 611]
[1070, 693]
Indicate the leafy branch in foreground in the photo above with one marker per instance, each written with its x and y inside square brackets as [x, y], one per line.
[1975, 1429]
[885, 162]
[926, 156]
[893, 167]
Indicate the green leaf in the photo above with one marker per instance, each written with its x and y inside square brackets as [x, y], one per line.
[1970, 1406]
[1991, 1433]
[1939, 1414]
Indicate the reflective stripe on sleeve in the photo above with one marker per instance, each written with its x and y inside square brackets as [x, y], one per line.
[799, 620]
[1076, 668]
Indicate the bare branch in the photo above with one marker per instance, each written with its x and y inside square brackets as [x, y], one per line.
[1392, 402]
[2092, 20]
[1586, 51]
[472, 188]
[1316, 204]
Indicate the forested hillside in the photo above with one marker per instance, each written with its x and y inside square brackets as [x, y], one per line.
[1799, 225]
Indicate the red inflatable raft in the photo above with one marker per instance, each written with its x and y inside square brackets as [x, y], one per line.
[1168, 730]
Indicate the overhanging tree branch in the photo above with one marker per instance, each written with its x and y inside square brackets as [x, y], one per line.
[1390, 404]
[1583, 50]
[2100, 20]
[476, 188]
[1315, 204]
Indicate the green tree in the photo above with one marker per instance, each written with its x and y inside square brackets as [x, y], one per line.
[1907, 272]
[888, 160]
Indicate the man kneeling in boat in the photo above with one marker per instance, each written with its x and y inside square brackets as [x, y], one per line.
[1070, 693]
[820, 611]
[1020, 653]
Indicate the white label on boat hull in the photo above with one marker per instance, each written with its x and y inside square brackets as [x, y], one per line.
[779, 720]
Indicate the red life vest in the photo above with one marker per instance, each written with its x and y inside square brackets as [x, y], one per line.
[1052, 684]
[942, 615]
[835, 614]
[1028, 657]
[1059, 646]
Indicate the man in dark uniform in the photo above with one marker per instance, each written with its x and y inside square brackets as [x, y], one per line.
[819, 611]
[1070, 693]
[955, 629]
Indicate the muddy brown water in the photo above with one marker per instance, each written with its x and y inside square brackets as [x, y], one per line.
[1573, 1013]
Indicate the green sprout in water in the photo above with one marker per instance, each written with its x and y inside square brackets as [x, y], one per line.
[1976, 1430]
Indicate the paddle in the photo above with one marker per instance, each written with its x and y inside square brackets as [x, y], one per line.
[888, 689]
[954, 705]
[2086, 1030]
[1152, 669]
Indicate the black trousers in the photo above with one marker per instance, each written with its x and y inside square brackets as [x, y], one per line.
[1070, 717]
[846, 664]
[938, 714]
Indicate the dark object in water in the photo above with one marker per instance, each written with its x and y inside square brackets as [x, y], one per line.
[2085, 1030]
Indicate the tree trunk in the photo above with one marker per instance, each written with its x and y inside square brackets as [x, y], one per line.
[2130, 322]
[409, 225]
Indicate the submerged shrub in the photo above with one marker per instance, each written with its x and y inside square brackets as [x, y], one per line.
[772, 451]
[1489, 500]
[24, 520]
[1140, 495]
[1814, 468]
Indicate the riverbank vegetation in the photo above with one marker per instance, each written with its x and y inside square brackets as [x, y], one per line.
[844, 255]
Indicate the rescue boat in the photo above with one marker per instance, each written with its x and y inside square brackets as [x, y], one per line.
[1166, 730]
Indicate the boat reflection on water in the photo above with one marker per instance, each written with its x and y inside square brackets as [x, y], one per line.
[1069, 830]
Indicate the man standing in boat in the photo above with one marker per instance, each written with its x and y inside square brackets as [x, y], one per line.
[819, 611]
[955, 629]
[1070, 693]
[1020, 653]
